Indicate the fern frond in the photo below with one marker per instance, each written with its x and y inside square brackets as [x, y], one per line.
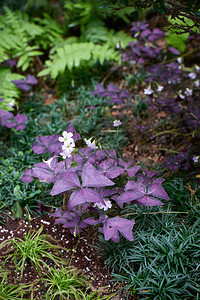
[9, 91]
[16, 34]
[119, 39]
[73, 55]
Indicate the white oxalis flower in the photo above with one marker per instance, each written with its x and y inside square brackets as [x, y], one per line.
[192, 75]
[188, 92]
[197, 68]
[179, 60]
[67, 148]
[148, 91]
[160, 88]
[116, 123]
[181, 95]
[197, 82]
[195, 159]
[67, 137]
[105, 207]
[66, 152]
[90, 144]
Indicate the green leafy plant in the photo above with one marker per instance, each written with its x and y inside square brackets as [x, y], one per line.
[69, 283]
[9, 92]
[73, 55]
[13, 292]
[163, 260]
[95, 31]
[35, 248]
[16, 35]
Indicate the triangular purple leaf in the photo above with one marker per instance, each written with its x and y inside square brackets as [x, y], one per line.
[65, 182]
[114, 172]
[27, 176]
[49, 143]
[124, 226]
[158, 191]
[93, 178]
[76, 135]
[133, 170]
[128, 197]
[148, 201]
[81, 196]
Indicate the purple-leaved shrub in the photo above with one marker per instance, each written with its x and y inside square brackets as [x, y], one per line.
[87, 179]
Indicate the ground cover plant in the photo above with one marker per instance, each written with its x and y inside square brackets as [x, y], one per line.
[99, 151]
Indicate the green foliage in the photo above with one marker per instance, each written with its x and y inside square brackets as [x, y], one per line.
[16, 155]
[16, 35]
[96, 32]
[69, 283]
[12, 292]
[70, 56]
[163, 260]
[51, 34]
[35, 247]
[176, 40]
[79, 12]
[9, 92]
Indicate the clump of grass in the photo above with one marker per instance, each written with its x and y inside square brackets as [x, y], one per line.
[13, 292]
[35, 248]
[69, 283]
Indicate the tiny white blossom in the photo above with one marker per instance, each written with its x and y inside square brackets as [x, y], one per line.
[192, 75]
[181, 95]
[197, 82]
[67, 149]
[195, 159]
[179, 60]
[105, 207]
[90, 144]
[148, 91]
[169, 81]
[160, 88]
[65, 154]
[197, 68]
[188, 92]
[116, 123]
[67, 136]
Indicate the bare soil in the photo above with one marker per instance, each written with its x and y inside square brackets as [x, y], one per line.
[85, 257]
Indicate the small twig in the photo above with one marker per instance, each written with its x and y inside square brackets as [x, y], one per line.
[173, 132]
[5, 136]
[183, 55]
[163, 149]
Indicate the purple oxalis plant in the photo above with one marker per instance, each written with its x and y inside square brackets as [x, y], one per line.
[11, 121]
[87, 182]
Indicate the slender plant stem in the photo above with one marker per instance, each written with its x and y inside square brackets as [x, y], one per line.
[74, 250]
[173, 132]
[157, 212]
[116, 147]
[5, 136]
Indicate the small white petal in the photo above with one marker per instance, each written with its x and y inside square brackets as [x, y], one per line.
[160, 88]
[116, 123]
[148, 91]
[192, 75]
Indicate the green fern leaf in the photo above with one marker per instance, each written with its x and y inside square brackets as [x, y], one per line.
[75, 55]
[9, 91]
